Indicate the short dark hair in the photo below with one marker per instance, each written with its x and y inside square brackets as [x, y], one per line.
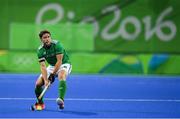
[43, 32]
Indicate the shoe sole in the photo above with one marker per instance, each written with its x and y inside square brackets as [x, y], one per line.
[61, 104]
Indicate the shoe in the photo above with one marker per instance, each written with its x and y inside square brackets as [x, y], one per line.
[60, 102]
[39, 106]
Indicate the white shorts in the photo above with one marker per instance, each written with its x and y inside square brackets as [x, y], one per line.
[66, 67]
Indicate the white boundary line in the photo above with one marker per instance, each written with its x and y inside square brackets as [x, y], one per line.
[90, 118]
[98, 99]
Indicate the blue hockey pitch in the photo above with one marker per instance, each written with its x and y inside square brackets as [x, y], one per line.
[93, 96]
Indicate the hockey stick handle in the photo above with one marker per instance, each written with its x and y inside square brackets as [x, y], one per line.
[44, 90]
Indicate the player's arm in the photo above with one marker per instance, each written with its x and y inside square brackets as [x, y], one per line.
[59, 57]
[44, 71]
[41, 58]
[58, 63]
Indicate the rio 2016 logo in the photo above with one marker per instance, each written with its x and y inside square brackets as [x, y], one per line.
[149, 30]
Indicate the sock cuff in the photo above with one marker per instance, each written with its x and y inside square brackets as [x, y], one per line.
[62, 80]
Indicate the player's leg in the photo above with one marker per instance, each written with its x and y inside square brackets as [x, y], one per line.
[39, 88]
[40, 83]
[62, 88]
[39, 105]
[65, 69]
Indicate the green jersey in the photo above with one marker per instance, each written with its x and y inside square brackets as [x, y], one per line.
[49, 54]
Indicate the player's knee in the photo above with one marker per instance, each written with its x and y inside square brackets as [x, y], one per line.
[37, 85]
[39, 82]
[62, 75]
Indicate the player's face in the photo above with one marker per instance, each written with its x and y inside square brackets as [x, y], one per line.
[46, 39]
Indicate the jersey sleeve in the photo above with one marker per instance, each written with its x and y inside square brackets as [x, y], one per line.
[40, 55]
[59, 48]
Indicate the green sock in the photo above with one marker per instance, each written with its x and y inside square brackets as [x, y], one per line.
[38, 91]
[62, 89]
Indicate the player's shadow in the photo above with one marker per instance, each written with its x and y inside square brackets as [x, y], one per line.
[82, 113]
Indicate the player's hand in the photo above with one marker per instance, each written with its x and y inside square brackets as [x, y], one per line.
[46, 82]
[51, 78]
